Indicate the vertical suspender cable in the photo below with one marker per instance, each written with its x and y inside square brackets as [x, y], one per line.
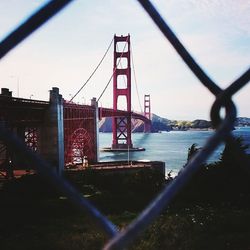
[136, 85]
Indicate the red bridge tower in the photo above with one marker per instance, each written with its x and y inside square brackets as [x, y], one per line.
[122, 125]
[147, 113]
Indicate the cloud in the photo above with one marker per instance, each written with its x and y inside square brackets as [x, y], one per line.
[232, 14]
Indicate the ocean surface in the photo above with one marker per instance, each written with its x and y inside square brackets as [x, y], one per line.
[169, 147]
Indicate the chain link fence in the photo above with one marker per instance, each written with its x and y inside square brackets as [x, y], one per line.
[121, 239]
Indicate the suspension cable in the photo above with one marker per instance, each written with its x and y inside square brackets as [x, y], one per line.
[93, 71]
[136, 85]
[113, 71]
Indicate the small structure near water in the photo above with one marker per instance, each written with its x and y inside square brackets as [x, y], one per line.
[125, 149]
[121, 166]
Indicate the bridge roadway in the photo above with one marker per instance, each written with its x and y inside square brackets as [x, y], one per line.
[108, 112]
[16, 111]
[28, 111]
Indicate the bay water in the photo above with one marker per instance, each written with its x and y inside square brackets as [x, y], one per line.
[169, 147]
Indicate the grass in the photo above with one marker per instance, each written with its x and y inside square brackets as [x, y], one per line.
[47, 224]
[55, 224]
[33, 216]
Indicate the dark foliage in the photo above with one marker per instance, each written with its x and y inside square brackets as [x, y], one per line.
[192, 150]
[211, 212]
[28, 187]
[117, 192]
[226, 181]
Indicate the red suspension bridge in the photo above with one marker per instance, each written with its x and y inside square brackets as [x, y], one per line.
[63, 131]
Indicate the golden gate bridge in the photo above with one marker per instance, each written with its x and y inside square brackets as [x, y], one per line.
[63, 131]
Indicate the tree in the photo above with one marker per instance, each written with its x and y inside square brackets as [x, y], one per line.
[234, 154]
[192, 151]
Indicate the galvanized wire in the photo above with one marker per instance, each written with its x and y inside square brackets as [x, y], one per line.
[43, 167]
[120, 240]
[222, 133]
[48, 172]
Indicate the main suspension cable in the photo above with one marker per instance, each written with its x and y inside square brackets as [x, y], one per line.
[93, 71]
[136, 85]
[113, 71]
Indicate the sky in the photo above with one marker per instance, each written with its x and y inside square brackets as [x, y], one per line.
[64, 52]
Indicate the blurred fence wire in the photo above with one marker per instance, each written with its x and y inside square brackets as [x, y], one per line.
[121, 239]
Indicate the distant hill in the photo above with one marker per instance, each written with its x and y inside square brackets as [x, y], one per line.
[158, 124]
[242, 122]
[105, 125]
[163, 124]
[185, 125]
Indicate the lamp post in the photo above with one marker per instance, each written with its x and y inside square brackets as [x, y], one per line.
[84, 100]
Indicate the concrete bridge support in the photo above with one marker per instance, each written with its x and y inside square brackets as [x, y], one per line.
[94, 104]
[51, 141]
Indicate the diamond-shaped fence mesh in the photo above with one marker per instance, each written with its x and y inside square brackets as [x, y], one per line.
[120, 239]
